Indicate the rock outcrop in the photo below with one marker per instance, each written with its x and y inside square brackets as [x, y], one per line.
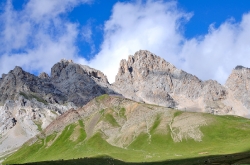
[239, 83]
[148, 78]
[79, 83]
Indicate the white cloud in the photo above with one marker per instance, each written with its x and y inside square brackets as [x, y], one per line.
[156, 26]
[37, 37]
[153, 25]
[44, 9]
[218, 52]
[87, 36]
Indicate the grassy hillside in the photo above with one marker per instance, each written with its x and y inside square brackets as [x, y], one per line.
[221, 136]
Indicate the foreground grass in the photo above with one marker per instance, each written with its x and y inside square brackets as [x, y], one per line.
[239, 158]
[225, 135]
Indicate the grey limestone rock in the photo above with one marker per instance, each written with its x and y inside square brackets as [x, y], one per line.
[149, 78]
[43, 75]
[239, 83]
[79, 83]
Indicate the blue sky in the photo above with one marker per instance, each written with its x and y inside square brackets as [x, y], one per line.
[206, 38]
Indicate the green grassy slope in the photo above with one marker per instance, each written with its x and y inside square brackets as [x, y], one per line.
[226, 135]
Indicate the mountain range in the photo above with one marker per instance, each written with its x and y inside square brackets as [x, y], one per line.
[142, 100]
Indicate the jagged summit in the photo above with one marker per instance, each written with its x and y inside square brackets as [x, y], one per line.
[66, 68]
[238, 83]
[65, 60]
[239, 67]
[43, 75]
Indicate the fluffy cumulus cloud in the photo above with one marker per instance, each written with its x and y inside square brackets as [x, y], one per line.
[39, 36]
[157, 26]
[215, 55]
[153, 26]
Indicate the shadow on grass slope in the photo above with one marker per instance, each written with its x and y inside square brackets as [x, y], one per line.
[237, 159]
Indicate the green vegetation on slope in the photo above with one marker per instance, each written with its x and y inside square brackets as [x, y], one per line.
[107, 116]
[102, 98]
[122, 112]
[156, 124]
[31, 96]
[225, 135]
[110, 119]
[39, 125]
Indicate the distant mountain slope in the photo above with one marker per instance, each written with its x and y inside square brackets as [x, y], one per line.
[135, 132]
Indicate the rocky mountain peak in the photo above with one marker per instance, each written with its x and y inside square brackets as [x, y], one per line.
[141, 64]
[239, 83]
[43, 75]
[149, 78]
[18, 71]
[239, 67]
[240, 75]
[67, 68]
[66, 61]
[148, 60]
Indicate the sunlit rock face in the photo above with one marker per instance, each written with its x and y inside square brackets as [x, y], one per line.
[149, 78]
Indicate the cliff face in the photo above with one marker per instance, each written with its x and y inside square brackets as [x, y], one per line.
[79, 83]
[239, 84]
[149, 78]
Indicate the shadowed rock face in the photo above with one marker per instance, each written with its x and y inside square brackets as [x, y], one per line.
[78, 82]
[17, 81]
[69, 82]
